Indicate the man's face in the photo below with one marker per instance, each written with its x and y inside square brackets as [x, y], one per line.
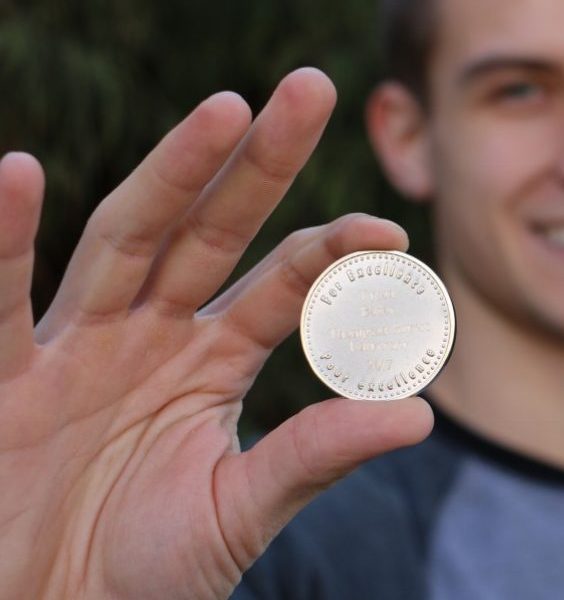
[497, 137]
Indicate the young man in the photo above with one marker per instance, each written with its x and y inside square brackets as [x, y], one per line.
[119, 463]
[473, 121]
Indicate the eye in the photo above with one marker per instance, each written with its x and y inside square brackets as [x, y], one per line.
[519, 91]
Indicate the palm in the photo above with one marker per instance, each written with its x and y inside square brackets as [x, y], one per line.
[118, 444]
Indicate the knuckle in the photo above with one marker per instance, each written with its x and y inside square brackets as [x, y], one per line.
[296, 238]
[293, 278]
[309, 434]
[291, 243]
[342, 230]
[334, 243]
[216, 237]
[166, 179]
[272, 168]
[172, 308]
[130, 245]
[317, 439]
[305, 444]
[88, 316]
[352, 218]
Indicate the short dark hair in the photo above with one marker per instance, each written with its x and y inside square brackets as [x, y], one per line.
[407, 36]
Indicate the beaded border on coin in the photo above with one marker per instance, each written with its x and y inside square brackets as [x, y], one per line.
[402, 385]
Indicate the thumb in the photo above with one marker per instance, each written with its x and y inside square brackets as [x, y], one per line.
[267, 485]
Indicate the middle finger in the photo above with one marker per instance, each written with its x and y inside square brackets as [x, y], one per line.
[208, 242]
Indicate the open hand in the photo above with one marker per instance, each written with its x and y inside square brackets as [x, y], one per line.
[120, 468]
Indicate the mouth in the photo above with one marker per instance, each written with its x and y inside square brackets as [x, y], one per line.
[551, 235]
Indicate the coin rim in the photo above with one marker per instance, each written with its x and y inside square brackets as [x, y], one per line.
[450, 307]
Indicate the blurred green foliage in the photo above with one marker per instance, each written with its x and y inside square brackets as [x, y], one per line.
[90, 87]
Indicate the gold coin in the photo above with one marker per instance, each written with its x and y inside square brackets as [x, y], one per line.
[377, 325]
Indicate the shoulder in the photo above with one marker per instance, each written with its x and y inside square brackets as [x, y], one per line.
[366, 535]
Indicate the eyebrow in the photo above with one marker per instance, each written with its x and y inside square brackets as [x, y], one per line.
[491, 64]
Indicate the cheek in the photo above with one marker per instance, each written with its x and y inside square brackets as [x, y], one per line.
[471, 178]
[509, 157]
[492, 163]
[482, 175]
[476, 185]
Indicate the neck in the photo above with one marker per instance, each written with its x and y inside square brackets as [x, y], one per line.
[504, 380]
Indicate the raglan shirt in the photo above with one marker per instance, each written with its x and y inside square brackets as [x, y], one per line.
[455, 517]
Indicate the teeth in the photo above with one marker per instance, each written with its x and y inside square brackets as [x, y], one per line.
[555, 235]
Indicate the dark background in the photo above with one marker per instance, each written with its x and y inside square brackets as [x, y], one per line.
[90, 87]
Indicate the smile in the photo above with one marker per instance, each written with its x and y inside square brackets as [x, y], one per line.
[554, 235]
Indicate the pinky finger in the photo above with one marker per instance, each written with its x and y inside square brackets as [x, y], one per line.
[21, 193]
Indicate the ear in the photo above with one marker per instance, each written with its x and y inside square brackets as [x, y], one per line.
[397, 127]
